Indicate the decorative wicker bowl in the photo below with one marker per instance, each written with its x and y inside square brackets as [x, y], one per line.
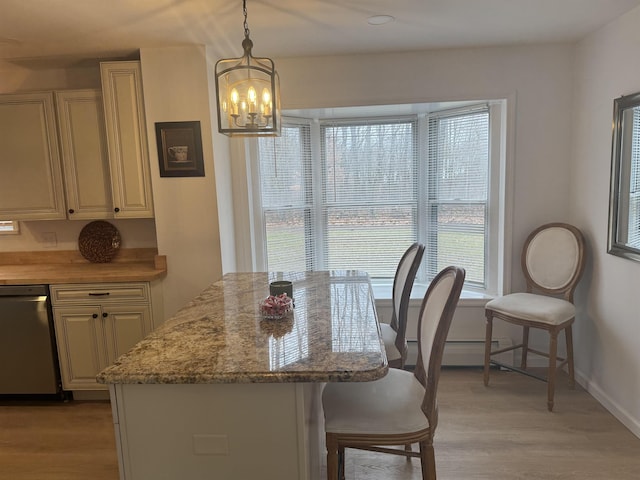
[99, 241]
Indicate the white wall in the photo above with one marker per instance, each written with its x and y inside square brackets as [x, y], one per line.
[29, 75]
[176, 88]
[608, 325]
[223, 169]
[138, 233]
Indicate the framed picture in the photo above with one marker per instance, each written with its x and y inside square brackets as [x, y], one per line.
[180, 149]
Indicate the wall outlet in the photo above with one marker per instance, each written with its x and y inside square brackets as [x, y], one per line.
[49, 239]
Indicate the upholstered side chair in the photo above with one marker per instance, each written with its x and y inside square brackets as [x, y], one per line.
[399, 409]
[553, 259]
[394, 332]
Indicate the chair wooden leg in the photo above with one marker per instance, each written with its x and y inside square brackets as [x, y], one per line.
[525, 347]
[568, 334]
[407, 448]
[332, 457]
[487, 348]
[551, 377]
[341, 463]
[428, 460]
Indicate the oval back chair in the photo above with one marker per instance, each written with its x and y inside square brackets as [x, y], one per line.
[553, 259]
[400, 408]
[394, 333]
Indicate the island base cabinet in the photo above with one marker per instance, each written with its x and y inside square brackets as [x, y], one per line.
[226, 431]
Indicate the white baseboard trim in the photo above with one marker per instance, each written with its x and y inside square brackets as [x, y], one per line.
[91, 394]
[605, 400]
[464, 353]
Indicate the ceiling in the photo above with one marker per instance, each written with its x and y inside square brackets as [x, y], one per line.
[32, 29]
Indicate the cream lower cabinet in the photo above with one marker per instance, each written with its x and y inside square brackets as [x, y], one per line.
[95, 324]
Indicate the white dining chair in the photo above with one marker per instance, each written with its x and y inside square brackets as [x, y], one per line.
[552, 260]
[401, 407]
[394, 332]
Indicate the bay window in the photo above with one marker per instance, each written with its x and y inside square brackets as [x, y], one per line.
[354, 193]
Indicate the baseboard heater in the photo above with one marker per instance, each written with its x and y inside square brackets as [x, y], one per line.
[464, 353]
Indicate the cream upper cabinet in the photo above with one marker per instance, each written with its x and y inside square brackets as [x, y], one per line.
[127, 139]
[102, 166]
[29, 152]
[84, 154]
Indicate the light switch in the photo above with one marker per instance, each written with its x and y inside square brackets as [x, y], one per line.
[208, 444]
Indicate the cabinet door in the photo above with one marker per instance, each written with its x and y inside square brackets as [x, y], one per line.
[81, 346]
[31, 181]
[125, 325]
[84, 154]
[127, 139]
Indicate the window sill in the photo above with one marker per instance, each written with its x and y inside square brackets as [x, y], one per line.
[468, 298]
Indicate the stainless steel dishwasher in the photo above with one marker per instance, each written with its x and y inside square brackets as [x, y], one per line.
[28, 354]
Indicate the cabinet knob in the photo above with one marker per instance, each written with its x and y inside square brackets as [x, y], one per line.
[95, 315]
[116, 209]
[71, 210]
[105, 314]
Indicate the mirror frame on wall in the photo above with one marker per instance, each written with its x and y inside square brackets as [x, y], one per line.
[623, 198]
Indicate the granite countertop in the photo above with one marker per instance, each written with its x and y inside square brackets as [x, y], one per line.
[30, 268]
[220, 336]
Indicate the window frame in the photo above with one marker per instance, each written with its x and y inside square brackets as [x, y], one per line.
[14, 227]
[623, 231]
[501, 112]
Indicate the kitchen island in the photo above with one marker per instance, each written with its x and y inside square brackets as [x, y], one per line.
[219, 392]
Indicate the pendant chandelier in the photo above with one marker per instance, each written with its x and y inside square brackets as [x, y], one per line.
[247, 93]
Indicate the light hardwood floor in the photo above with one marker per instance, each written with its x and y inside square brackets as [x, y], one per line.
[57, 441]
[502, 432]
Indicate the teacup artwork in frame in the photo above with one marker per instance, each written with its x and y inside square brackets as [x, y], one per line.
[179, 153]
[180, 149]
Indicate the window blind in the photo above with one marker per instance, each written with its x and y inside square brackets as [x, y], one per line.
[374, 186]
[456, 211]
[369, 188]
[286, 194]
[634, 187]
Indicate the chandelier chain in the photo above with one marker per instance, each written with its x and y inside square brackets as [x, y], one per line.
[244, 12]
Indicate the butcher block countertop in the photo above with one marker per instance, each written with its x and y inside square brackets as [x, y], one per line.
[68, 266]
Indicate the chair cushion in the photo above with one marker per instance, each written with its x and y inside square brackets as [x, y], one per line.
[537, 308]
[391, 404]
[389, 338]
